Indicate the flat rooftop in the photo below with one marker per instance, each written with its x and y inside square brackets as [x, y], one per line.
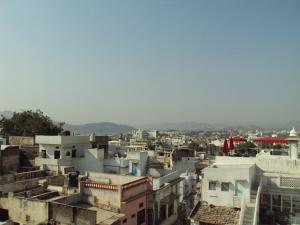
[115, 179]
[210, 214]
[104, 217]
[230, 166]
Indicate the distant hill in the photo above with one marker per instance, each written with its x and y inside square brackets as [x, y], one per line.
[184, 126]
[99, 128]
[113, 128]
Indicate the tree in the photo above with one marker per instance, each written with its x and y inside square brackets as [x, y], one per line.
[29, 123]
[195, 146]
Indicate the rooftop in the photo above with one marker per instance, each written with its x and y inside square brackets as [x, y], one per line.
[114, 179]
[210, 214]
[104, 217]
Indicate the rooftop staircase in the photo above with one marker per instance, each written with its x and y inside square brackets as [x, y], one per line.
[250, 207]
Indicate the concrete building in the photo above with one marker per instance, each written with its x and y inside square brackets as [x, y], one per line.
[138, 163]
[179, 159]
[9, 159]
[187, 190]
[183, 159]
[121, 194]
[140, 134]
[29, 198]
[64, 154]
[153, 134]
[266, 188]
[164, 201]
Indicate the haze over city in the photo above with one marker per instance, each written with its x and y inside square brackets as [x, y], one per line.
[138, 62]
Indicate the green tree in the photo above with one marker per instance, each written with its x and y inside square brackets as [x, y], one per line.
[29, 123]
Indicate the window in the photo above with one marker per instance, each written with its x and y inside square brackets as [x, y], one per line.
[141, 205]
[125, 220]
[56, 154]
[224, 186]
[44, 154]
[212, 185]
[163, 212]
[141, 217]
[73, 153]
[133, 215]
[68, 153]
[171, 209]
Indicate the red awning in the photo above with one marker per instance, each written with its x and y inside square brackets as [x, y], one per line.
[238, 139]
[231, 145]
[271, 140]
[225, 147]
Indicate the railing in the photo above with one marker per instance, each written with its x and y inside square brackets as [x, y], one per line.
[242, 212]
[257, 202]
[237, 201]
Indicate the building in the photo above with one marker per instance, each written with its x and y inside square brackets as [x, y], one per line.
[183, 159]
[187, 191]
[28, 150]
[64, 154]
[266, 188]
[38, 204]
[9, 159]
[163, 208]
[117, 193]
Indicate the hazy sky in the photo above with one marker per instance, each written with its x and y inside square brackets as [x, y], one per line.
[143, 62]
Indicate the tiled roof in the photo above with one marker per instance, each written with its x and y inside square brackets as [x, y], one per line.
[218, 215]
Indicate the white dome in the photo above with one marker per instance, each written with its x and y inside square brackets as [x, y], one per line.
[293, 133]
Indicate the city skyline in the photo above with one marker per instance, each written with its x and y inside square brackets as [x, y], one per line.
[155, 62]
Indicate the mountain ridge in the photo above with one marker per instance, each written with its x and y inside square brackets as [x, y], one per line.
[113, 128]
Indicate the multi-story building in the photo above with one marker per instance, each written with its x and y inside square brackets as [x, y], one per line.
[121, 194]
[265, 188]
[163, 206]
[64, 154]
[9, 159]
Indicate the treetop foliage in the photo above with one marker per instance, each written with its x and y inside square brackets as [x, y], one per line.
[29, 123]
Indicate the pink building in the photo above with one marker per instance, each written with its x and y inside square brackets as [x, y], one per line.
[118, 193]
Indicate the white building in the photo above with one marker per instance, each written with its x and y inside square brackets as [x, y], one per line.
[178, 140]
[268, 185]
[153, 134]
[187, 190]
[64, 154]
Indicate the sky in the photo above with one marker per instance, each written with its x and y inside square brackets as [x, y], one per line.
[144, 62]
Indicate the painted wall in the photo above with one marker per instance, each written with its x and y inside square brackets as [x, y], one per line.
[229, 174]
[277, 164]
[130, 209]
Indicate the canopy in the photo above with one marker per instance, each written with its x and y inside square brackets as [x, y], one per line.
[238, 139]
[271, 140]
[231, 145]
[225, 147]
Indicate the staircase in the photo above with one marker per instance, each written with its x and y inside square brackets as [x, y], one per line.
[249, 214]
[250, 210]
